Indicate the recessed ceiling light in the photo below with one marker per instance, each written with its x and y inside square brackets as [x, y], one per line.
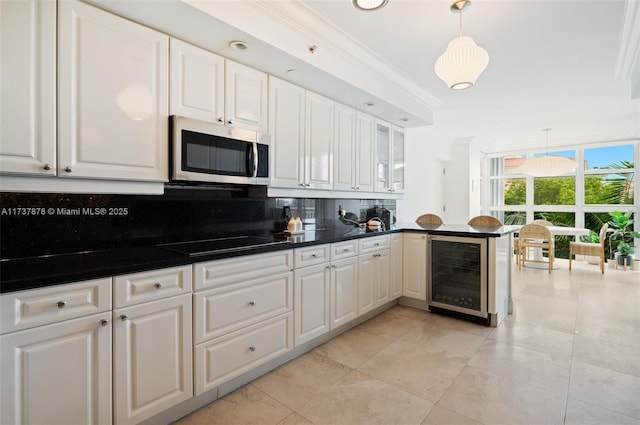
[238, 45]
[404, 119]
[368, 104]
[290, 71]
[369, 5]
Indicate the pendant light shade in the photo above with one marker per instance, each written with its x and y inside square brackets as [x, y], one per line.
[463, 61]
[547, 166]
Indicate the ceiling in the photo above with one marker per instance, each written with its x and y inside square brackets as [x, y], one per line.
[553, 64]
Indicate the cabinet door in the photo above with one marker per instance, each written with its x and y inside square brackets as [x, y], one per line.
[365, 153]
[152, 358]
[397, 150]
[395, 266]
[197, 83]
[311, 293]
[383, 156]
[57, 374]
[113, 91]
[414, 281]
[366, 281]
[381, 277]
[28, 82]
[246, 97]
[344, 148]
[286, 127]
[318, 142]
[344, 291]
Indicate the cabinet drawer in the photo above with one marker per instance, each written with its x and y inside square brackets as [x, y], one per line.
[229, 356]
[153, 285]
[240, 269]
[375, 243]
[222, 310]
[311, 255]
[35, 307]
[344, 249]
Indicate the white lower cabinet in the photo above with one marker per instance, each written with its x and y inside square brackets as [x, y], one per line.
[58, 373]
[374, 274]
[229, 356]
[312, 286]
[395, 265]
[152, 358]
[344, 291]
[414, 279]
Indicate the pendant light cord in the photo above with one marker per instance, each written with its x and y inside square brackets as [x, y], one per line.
[460, 32]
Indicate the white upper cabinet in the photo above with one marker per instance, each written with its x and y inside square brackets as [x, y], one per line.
[389, 158]
[113, 96]
[286, 127]
[353, 150]
[28, 86]
[318, 142]
[246, 96]
[397, 155]
[344, 148]
[301, 127]
[197, 83]
[383, 156]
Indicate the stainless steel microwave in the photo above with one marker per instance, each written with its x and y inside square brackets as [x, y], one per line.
[208, 152]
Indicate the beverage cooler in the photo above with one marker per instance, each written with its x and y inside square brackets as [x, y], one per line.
[458, 280]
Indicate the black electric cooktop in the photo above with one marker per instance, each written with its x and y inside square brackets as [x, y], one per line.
[211, 246]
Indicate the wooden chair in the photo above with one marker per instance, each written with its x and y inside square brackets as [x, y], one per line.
[515, 243]
[534, 235]
[589, 248]
[485, 221]
[429, 220]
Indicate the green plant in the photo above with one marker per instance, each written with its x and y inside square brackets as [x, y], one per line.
[625, 249]
[620, 223]
[592, 237]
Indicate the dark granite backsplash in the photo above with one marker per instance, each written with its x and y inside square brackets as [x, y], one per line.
[33, 224]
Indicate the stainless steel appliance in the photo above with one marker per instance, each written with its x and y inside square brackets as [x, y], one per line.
[208, 152]
[458, 280]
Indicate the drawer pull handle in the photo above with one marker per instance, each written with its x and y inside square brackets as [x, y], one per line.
[252, 303]
[124, 317]
[314, 255]
[104, 322]
[252, 348]
[157, 285]
[376, 244]
[345, 250]
[61, 304]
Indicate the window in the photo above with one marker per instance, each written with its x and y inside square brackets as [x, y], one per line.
[604, 182]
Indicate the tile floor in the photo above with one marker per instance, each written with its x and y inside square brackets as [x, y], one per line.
[568, 355]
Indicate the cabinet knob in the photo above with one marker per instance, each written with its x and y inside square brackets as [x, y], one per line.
[376, 244]
[314, 255]
[345, 250]
[157, 285]
[307, 185]
[220, 119]
[230, 122]
[301, 184]
[124, 317]
[61, 304]
[357, 187]
[67, 169]
[327, 267]
[333, 266]
[46, 167]
[252, 348]
[252, 303]
[104, 322]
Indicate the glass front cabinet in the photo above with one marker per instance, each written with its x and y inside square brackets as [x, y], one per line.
[390, 164]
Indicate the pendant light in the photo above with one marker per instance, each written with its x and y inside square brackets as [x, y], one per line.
[548, 165]
[463, 61]
[369, 5]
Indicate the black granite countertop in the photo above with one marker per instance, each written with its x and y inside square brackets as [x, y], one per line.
[35, 272]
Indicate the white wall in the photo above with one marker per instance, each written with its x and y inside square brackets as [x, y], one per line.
[462, 186]
[424, 153]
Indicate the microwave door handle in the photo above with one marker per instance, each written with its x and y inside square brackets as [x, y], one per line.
[253, 159]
